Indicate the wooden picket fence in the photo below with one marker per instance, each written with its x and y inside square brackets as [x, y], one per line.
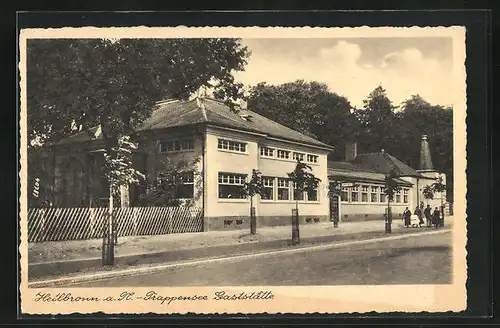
[55, 224]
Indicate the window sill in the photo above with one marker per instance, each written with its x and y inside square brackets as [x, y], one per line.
[268, 201]
[287, 160]
[232, 200]
[233, 151]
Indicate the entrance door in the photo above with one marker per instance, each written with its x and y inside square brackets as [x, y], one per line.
[334, 209]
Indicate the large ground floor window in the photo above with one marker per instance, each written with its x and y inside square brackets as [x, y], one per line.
[231, 184]
[367, 193]
[284, 190]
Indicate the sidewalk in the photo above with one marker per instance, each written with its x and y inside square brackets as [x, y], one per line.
[52, 258]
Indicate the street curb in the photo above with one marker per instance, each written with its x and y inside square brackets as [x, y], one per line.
[158, 267]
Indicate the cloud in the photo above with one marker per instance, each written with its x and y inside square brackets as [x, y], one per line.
[402, 74]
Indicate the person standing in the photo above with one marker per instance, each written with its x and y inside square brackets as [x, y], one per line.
[435, 217]
[407, 217]
[427, 213]
[419, 214]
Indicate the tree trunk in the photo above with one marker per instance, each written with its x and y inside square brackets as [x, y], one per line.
[253, 219]
[389, 217]
[108, 249]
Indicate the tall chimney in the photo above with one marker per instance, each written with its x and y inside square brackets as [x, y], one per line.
[351, 151]
[425, 155]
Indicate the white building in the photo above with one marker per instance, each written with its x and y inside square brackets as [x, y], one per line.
[228, 145]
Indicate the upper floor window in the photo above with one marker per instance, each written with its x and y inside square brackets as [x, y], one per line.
[285, 154]
[231, 145]
[230, 185]
[177, 145]
[267, 152]
[298, 156]
[312, 158]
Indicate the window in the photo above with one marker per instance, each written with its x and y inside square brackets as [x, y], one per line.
[344, 194]
[374, 195]
[268, 183]
[285, 154]
[298, 156]
[283, 189]
[312, 158]
[267, 152]
[298, 195]
[398, 197]
[382, 196]
[232, 145]
[177, 145]
[312, 195]
[354, 194]
[185, 188]
[405, 195]
[230, 185]
[364, 194]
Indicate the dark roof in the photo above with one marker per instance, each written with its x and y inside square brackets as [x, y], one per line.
[81, 136]
[383, 162]
[357, 172]
[214, 112]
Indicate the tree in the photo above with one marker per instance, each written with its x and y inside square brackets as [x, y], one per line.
[307, 107]
[378, 122]
[117, 82]
[169, 186]
[253, 187]
[436, 187]
[419, 117]
[303, 180]
[76, 84]
[391, 187]
[428, 192]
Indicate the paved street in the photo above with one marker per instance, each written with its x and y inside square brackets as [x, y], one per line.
[413, 260]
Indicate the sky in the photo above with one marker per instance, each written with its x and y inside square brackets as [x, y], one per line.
[354, 67]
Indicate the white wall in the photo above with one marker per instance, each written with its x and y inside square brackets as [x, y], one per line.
[234, 162]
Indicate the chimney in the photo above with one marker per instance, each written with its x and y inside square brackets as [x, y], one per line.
[425, 155]
[351, 152]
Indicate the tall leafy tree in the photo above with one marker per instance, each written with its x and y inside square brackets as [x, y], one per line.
[80, 83]
[419, 117]
[117, 82]
[378, 122]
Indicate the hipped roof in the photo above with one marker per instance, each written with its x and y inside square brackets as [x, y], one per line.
[212, 112]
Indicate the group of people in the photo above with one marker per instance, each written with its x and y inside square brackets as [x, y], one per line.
[431, 217]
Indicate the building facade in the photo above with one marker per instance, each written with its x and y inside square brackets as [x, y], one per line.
[362, 178]
[221, 147]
